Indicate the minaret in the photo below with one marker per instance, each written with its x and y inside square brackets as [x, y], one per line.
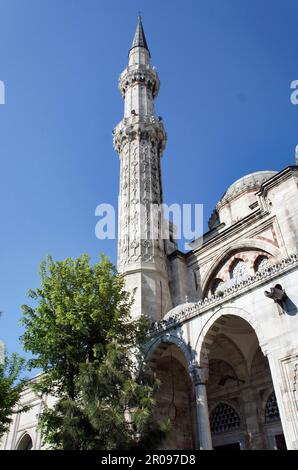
[140, 139]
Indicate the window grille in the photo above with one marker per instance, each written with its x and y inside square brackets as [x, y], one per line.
[238, 270]
[261, 263]
[224, 418]
[271, 409]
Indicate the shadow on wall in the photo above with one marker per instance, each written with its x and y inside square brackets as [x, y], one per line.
[284, 304]
[289, 307]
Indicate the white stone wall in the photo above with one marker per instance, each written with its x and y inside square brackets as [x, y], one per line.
[269, 229]
[277, 334]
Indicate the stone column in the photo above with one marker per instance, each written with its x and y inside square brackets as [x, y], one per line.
[284, 373]
[250, 408]
[199, 376]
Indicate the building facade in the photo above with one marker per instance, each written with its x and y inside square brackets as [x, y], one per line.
[224, 335]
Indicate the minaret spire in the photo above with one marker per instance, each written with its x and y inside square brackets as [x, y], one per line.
[140, 139]
[139, 39]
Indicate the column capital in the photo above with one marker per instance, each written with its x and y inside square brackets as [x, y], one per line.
[199, 374]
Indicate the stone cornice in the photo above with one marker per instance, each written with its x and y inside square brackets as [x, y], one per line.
[278, 178]
[177, 254]
[136, 127]
[139, 74]
[265, 220]
[229, 231]
[189, 311]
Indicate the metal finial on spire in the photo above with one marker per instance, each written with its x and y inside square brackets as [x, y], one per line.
[139, 39]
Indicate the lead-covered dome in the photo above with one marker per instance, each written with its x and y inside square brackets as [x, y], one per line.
[251, 182]
[239, 199]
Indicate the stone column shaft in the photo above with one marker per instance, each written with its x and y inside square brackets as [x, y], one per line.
[199, 377]
[284, 374]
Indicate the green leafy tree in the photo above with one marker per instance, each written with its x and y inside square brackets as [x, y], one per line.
[91, 352]
[11, 387]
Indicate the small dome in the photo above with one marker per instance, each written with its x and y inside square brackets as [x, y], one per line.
[239, 199]
[250, 182]
[178, 309]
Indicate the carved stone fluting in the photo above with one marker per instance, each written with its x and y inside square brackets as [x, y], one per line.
[140, 200]
[140, 139]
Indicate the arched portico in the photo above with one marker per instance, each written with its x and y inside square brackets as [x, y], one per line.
[167, 339]
[237, 378]
[170, 358]
[215, 322]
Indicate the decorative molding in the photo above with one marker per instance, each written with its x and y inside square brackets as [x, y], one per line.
[136, 128]
[240, 245]
[188, 311]
[139, 75]
[169, 339]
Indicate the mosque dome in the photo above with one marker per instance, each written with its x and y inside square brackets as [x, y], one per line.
[239, 199]
[251, 182]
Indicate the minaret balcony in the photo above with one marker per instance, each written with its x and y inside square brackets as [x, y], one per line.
[139, 74]
[140, 127]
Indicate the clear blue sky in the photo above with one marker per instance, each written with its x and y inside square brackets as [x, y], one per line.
[225, 68]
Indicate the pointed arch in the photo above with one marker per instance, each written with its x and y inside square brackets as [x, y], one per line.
[232, 354]
[168, 339]
[213, 325]
[261, 262]
[25, 442]
[271, 411]
[226, 253]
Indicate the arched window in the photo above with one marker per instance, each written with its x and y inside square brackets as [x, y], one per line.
[271, 409]
[217, 286]
[25, 443]
[261, 263]
[224, 418]
[238, 270]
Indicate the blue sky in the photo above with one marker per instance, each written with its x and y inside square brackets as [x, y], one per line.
[225, 68]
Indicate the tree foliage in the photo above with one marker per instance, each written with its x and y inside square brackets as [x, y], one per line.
[91, 352]
[11, 387]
